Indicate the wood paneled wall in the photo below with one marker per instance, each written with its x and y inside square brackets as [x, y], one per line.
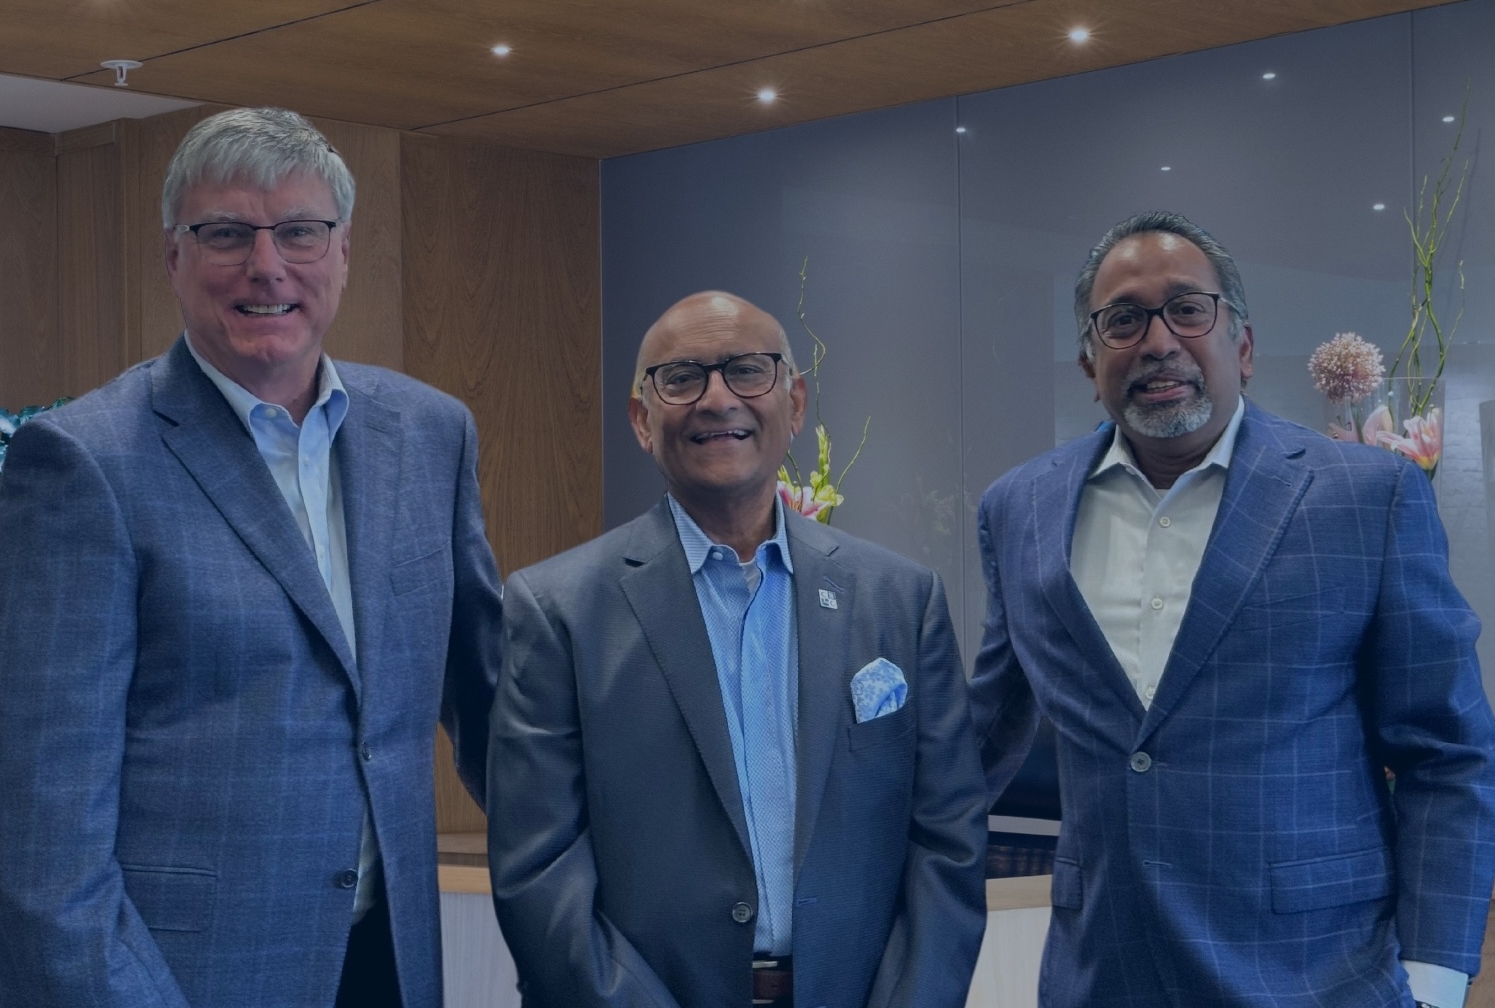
[29, 356]
[502, 310]
[473, 267]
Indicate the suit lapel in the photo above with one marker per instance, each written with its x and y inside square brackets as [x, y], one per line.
[824, 674]
[1057, 492]
[663, 598]
[369, 464]
[1263, 486]
[213, 446]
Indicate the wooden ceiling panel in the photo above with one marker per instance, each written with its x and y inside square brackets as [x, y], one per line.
[414, 63]
[601, 78]
[989, 49]
[62, 39]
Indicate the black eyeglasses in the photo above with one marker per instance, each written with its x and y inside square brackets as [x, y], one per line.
[682, 382]
[1188, 315]
[229, 243]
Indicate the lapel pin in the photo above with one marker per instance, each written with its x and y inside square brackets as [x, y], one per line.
[828, 599]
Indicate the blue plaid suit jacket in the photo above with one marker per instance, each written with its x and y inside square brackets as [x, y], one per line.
[1255, 856]
[186, 745]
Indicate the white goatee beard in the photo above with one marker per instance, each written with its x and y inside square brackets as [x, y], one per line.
[1168, 419]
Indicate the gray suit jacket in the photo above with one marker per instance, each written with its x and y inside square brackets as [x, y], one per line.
[186, 745]
[617, 836]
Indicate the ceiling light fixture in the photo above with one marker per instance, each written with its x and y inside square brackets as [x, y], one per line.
[1448, 118]
[767, 95]
[121, 68]
[1167, 168]
[1078, 35]
[501, 50]
[1378, 206]
[960, 129]
[1269, 75]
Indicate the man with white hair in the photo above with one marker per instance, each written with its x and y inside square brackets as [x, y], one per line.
[237, 585]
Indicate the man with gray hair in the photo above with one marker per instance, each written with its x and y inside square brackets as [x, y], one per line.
[238, 584]
[1234, 624]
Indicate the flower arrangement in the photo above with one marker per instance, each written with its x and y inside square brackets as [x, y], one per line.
[1348, 369]
[10, 421]
[819, 496]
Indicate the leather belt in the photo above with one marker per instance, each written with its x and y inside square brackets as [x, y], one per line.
[773, 982]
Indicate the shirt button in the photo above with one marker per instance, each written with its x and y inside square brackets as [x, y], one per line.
[1150, 692]
[1140, 762]
[742, 913]
[1157, 603]
[345, 879]
[1165, 521]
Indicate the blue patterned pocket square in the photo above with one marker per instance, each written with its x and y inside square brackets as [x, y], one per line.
[878, 689]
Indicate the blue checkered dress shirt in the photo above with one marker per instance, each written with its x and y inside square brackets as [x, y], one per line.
[749, 614]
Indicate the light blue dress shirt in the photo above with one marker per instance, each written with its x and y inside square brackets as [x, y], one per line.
[749, 614]
[300, 460]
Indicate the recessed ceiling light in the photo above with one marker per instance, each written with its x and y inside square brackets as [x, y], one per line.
[767, 95]
[1269, 75]
[1167, 168]
[960, 129]
[1378, 206]
[1448, 118]
[501, 50]
[1079, 35]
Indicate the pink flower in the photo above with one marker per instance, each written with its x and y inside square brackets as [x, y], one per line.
[1346, 369]
[801, 499]
[1424, 441]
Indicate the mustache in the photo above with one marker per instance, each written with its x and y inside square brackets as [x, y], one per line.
[1180, 371]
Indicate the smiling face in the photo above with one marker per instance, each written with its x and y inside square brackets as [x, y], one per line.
[1170, 396]
[261, 322]
[722, 451]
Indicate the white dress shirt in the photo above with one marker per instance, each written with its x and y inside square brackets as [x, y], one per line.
[1134, 557]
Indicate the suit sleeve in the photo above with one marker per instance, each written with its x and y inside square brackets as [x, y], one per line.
[474, 650]
[936, 935]
[1434, 729]
[67, 658]
[539, 844]
[1002, 703]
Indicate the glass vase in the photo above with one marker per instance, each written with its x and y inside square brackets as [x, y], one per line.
[1414, 421]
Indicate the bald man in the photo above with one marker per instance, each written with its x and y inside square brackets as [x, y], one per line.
[732, 762]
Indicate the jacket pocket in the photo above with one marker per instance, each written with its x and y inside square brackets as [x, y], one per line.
[1309, 607]
[409, 575]
[1068, 889]
[172, 899]
[1331, 881]
[881, 730]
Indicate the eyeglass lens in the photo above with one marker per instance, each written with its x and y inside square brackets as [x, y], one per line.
[228, 243]
[1187, 315]
[747, 375]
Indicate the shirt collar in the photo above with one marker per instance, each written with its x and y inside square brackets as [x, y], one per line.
[330, 392]
[1119, 455]
[698, 544]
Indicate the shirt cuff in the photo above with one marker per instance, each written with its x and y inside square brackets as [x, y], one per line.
[1436, 985]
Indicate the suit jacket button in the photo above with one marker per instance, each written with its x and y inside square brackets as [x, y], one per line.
[346, 879]
[1141, 762]
[742, 913]
[368, 753]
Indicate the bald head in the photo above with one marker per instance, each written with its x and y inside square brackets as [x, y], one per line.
[702, 317]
